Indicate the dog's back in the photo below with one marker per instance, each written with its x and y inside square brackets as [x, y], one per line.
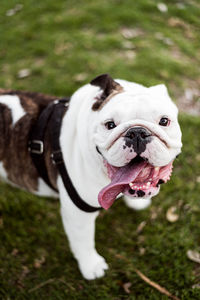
[18, 112]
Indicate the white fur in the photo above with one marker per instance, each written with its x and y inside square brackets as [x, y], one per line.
[82, 129]
[44, 190]
[13, 103]
[80, 229]
[3, 173]
[137, 203]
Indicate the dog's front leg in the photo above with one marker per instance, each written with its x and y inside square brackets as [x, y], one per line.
[80, 229]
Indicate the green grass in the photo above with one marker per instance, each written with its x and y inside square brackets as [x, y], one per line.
[58, 40]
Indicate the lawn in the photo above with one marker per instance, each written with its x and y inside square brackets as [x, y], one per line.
[54, 47]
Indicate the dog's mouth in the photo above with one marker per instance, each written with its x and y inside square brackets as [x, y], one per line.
[137, 179]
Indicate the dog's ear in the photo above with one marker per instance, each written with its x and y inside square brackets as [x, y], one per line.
[107, 85]
[159, 89]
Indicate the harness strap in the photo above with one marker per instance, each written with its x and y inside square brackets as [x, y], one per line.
[55, 112]
[36, 143]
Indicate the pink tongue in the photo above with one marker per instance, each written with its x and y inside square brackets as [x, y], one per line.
[123, 176]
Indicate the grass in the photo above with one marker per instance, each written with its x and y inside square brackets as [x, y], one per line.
[65, 44]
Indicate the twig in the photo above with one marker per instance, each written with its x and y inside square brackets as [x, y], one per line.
[150, 282]
[41, 285]
[156, 285]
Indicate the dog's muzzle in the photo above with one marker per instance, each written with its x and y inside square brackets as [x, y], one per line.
[137, 138]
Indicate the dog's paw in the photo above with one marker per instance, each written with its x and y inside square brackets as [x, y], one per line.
[138, 203]
[93, 267]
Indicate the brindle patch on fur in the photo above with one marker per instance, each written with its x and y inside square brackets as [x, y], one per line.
[99, 104]
[14, 140]
[109, 88]
[33, 103]
[5, 129]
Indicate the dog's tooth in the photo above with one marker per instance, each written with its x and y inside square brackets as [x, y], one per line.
[131, 184]
[148, 184]
[156, 172]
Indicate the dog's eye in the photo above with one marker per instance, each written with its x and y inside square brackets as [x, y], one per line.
[164, 121]
[110, 125]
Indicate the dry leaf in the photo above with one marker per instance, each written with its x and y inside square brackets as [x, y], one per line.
[120, 256]
[128, 45]
[198, 179]
[23, 73]
[165, 40]
[141, 226]
[129, 33]
[142, 251]
[80, 77]
[129, 54]
[22, 275]
[180, 203]
[176, 22]
[187, 207]
[171, 215]
[162, 7]
[194, 256]
[13, 11]
[15, 252]
[62, 47]
[155, 212]
[141, 239]
[25, 271]
[180, 5]
[126, 287]
[38, 262]
[196, 286]
[154, 215]
[10, 12]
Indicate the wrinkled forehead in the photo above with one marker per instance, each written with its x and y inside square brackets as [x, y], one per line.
[140, 105]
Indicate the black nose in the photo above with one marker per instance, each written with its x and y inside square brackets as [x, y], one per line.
[137, 137]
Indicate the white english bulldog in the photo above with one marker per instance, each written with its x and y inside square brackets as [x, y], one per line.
[117, 137]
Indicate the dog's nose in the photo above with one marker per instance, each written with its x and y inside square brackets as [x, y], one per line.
[137, 137]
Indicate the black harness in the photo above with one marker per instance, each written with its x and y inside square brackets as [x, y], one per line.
[52, 117]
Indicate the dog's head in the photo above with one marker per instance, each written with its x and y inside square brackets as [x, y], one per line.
[137, 133]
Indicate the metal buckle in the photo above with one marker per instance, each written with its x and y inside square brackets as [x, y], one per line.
[57, 157]
[56, 102]
[61, 101]
[38, 143]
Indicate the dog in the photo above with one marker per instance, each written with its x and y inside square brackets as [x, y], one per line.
[112, 137]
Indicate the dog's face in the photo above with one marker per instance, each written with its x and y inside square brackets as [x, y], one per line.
[138, 135]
